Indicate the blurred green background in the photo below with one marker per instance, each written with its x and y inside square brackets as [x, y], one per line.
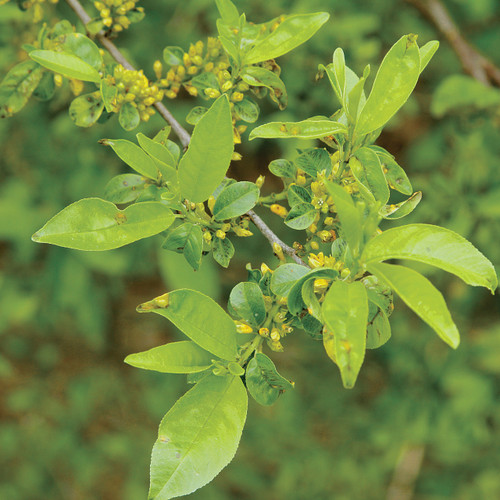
[77, 423]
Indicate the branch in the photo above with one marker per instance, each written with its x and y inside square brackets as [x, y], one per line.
[179, 130]
[473, 62]
[272, 238]
[406, 473]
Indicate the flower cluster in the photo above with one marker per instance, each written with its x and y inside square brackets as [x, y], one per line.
[117, 15]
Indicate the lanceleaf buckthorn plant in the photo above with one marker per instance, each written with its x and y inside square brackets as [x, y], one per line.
[335, 283]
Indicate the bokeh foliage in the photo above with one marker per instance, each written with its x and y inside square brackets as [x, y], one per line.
[78, 423]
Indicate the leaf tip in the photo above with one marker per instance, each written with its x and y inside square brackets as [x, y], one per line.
[37, 237]
[105, 142]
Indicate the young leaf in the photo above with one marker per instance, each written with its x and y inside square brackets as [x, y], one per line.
[45, 90]
[338, 67]
[292, 32]
[198, 317]
[124, 188]
[395, 81]
[86, 109]
[247, 110]
[285, 276]
[95, 224]
[176, 357]
[235, 200]
[261, 77]
[366, 168]
[228, 12]
[198, 437]
[108, 94]
[421, 296]
[82, 47]
[196, 114]
[133, 156]
[222, 251]
[187, 239]
[247, 301]
[17, 87]
[207, 159]
[160, 153]
[129, 117]
[400, 210]
[378, 332]
[67, 64]
[282, 168]
[306, 129]
[297, 194]
[301, 216]
[345, 312]
[436, 246]
[395, 175]
[263, 381]
[426, 53]
[349, 216]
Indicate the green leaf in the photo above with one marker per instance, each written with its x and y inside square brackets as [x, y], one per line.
[395, 175]
[124, 188]
[256, 76]
[426, 53]
[68, 65]
[108, 95]
[297, 194]
[228, 12]
[83, 48]
[198, 317]
[378, 332]
[402, 209]
[176, 357]
[292, 32]
[246, 110]
[196, 114]
[356, 97]
[345, 312]
[338, 67]
[94, 25]
[129, 117]
[45, 90]
[306, 129]
[367, 170]
[301, 216]
[436, 246]
[421, 296]
[282, 168]
[207, 159]
[133, 156]
[95, 224]
[263, 381]
[163, 158]
[187, 239]
[395, 81]
[313, 161]
[247, 302]
[235, 200]
[222, 251]
[349, 216]
[17, 87]
[173, 56]
[86, 109]
[285, 276]
[198, 437]
[295, 301]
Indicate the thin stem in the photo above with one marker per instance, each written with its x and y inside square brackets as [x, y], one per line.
[251, 349]
[272, 238]
[178, 129]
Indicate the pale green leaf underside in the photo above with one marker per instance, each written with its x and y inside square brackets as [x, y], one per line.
[176, 357]
[198, 317]
[436, 246]
[306, 129]
[95, 224]
[198, 437]
[421, 296]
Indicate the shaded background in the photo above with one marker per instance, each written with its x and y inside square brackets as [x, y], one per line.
[423, 421]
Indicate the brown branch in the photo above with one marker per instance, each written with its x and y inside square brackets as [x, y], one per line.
[179, 130]
[473, 62]
[406, 473]
[272, 238]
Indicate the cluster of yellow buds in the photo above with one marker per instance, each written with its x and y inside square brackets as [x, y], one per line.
[135, 88]
[321, 260]
[36, 5]
[115, 14]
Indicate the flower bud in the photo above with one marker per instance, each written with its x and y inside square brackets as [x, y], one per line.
[220, 234]
[243, 328]
[279, 210]
[264, 332]
[158, 68]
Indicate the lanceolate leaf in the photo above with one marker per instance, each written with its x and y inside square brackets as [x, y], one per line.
[235, 200]
[291, 33]
[95, 224]
[67, 64]
[158, 152]
[426, 53]
[345, 312]
[198, 437]
[436, 246]
[207, 159]
[395, 81]
[200, 318]
[82, 47]
[402, 209]
[176, 357]
[307, 129]
[421, 296]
